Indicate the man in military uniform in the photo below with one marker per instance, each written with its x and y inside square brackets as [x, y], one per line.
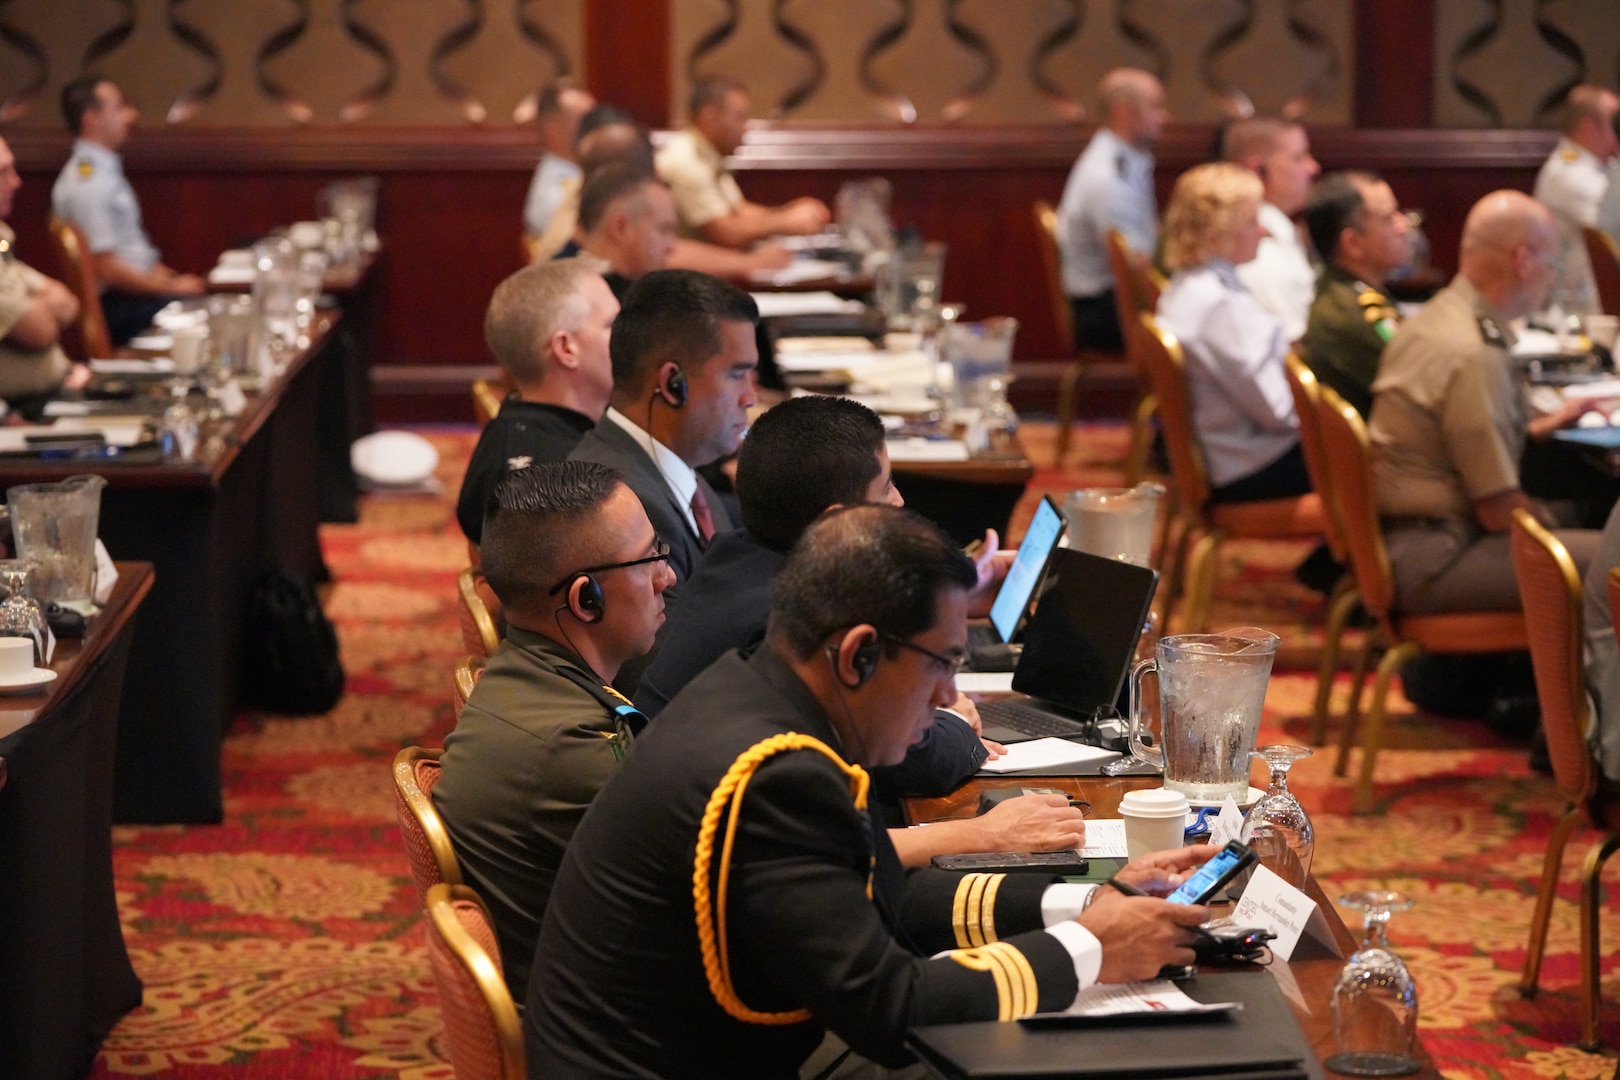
[1359, 231]
[626, 220]
[1110, 187]
[730, 895]
[711, 205]
[548, 326]
[1449, 420]
[33, 311]
[93, 194]
[580, 574]
[558, 110]
[1280, 276]
[1571, 184]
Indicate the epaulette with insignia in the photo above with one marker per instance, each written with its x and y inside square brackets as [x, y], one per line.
[1567, 155]
[1491, 332]
[86, 168]
[6, 253]
[1377, 310]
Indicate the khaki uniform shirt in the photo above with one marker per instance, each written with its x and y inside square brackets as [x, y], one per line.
[23, 371]
[560, 228]
[1350, 324]
[703, 187]
[1448, 420]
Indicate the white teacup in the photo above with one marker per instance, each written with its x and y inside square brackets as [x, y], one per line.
[16, 659]
[190, 348]
[1155, 820]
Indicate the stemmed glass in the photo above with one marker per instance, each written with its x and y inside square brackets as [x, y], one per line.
[1276, 826]
[1375, 1001]
[20, 615]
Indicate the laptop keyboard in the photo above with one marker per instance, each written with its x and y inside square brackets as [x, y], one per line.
[1021, 717]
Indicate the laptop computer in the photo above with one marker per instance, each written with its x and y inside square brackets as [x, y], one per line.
[990, 646]
[1078, 648]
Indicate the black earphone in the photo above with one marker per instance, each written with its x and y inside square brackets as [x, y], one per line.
[585, 600]
[674, 388]
[865, 661]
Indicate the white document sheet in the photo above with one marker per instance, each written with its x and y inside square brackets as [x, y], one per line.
[1046, 754]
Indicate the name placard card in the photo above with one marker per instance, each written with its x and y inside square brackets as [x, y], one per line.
[1228, 824]
[1270, 903]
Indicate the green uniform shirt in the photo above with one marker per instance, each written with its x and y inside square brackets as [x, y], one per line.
[1350, 322]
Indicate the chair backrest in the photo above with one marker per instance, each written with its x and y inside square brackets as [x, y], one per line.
[1348, 455]
[479, 609]
[1046, 229]
[1605, 260]
[427, 841]
[486, 396]
[79, 274]
[1134, 294]
[1306, 390]
[1167, 374]
[1550, 590]
[481, 1022]
[466, 678]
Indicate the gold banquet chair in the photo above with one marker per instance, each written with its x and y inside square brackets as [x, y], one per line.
[481, 1022]
[1550, 589]
[1063, 318]
[480, 613]
[1605, 259]
[1198, 527]
[1396, 638]
[487, 395]
[1342, 604]
[79, 274]
[1135, 292]
[466, 680]
[427, 841]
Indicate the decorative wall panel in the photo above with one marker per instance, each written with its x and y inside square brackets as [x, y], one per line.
[1016, 61]
[278, 62]
[1508, 63]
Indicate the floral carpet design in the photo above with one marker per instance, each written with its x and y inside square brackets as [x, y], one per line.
[286, 942]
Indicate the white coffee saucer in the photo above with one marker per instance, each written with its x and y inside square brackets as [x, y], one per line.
[1254, 795]
[35, 679]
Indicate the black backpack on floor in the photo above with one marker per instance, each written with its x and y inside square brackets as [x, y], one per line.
[292, 664]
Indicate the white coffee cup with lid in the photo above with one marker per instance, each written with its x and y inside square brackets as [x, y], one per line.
[1155, 820]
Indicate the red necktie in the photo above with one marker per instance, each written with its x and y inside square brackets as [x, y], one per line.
[701, 515]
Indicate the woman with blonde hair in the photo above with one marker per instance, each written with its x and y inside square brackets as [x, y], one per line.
[1242, 411]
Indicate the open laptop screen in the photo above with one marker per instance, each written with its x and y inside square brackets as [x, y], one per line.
[1082, 637]
[1045, 529]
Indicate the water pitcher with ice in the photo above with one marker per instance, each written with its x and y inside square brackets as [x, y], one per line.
[1116, 523]
[1211, 689]
[54, 527]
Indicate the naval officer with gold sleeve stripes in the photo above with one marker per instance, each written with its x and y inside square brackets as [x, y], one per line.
[730, 898]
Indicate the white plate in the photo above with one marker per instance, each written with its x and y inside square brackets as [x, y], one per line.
[1255, 795]
[152, 342]
[36, 679]
[394, 458]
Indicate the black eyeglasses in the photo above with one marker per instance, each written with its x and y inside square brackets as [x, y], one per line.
[952, 664]
[660, 553]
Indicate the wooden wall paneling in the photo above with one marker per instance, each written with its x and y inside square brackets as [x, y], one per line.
[1395, 63]
[628, 57]
[1505, 64]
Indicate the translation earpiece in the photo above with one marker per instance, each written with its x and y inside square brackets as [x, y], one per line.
[585, 599]
[865, 661]
[674, 388]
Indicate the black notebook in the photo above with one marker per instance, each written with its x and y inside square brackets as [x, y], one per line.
[1261, 1040]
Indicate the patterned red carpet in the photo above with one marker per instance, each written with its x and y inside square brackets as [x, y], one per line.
[285, 942]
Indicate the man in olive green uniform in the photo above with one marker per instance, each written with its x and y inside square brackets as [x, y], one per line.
[1359, 231]
[580, 573]
[1449, 419]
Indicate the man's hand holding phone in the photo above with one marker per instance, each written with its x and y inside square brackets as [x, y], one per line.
[1142, 933]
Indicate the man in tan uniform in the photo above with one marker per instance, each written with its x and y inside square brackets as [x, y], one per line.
[1449, 419]
[711, 205]
[33, 311]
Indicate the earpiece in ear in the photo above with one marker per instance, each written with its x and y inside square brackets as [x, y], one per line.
[675, 388]
[585, 599]
[865, 661]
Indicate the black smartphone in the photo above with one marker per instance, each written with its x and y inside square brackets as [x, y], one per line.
[1210, 878]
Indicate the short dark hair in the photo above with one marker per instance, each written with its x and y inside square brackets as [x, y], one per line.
[673, 315]
[78, 98]
[541, 523]
[801, 457]
[606, 186]
[711, 90]
[1336, 203]
[601, 116]
[868, 564]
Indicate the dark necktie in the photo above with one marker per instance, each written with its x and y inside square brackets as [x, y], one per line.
[701, 515]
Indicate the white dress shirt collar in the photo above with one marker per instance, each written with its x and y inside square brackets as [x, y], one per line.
[678, 475]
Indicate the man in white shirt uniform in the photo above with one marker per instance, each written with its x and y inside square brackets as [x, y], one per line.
[1572, 183]
[1110, 187]
[1281, 276]
[558, 112]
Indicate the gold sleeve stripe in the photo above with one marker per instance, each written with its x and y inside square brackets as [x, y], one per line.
[1016, 991]
[987, 920]
[973, 912]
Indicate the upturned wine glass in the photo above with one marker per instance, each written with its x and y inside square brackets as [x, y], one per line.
[1375, 1000]
[1277, 827]
[20, 614]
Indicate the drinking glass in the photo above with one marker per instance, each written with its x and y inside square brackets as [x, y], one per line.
[1375, 1001]
[1276, 826]
[20, 614]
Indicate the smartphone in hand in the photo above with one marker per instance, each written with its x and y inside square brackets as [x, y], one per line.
[1209, 879]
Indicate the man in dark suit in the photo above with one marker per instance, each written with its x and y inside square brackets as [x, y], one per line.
[685, 941]
[683, 380]
[548, 326]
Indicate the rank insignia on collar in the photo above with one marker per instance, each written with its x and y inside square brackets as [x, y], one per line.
[521, 461]
[1568, 155]
[85, 168]
[1491, 332]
